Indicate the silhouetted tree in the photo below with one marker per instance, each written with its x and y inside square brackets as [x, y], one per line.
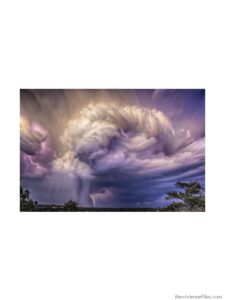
[26, 204]
[70, 206]
[191, 196]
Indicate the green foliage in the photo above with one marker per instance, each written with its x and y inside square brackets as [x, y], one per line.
[175, 206]
[26, 204]
[70, 206]
[192, 197]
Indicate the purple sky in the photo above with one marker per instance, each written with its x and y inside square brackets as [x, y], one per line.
[111, 148]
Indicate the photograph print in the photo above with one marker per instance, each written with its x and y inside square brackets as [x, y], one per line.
[112, 150]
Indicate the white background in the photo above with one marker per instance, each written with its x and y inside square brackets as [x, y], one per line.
[111, 44]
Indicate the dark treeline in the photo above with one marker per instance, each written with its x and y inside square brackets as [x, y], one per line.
[190, 196]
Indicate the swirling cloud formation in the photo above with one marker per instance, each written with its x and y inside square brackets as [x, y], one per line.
[110, 148]
[35, 152]
[110, 145]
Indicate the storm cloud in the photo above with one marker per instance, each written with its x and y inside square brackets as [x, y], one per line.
[121, 148]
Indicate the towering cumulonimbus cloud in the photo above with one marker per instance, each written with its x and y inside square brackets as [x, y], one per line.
[110, 148]
[132, 141]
